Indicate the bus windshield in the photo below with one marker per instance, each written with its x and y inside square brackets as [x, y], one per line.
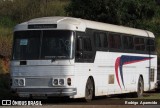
[43, 44]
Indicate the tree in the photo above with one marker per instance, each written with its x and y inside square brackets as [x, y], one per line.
[87, 9]
[122, 12]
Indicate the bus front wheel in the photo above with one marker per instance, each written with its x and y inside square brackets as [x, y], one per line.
[89, 90]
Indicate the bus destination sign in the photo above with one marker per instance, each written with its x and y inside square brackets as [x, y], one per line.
[40, 26]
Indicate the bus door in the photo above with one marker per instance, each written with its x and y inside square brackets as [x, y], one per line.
[84, 50]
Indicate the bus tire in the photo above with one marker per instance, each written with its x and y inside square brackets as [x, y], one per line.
[140, 88]
[89, 90]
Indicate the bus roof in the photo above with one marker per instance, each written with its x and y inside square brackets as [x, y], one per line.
[77, 24]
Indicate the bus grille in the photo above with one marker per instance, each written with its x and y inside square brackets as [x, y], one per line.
[151, 76]
[39, 82]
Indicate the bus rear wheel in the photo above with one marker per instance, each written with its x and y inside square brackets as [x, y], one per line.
[89, 90]
[140, 88]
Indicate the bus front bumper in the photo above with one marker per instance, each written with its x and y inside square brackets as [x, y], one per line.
[28, 92]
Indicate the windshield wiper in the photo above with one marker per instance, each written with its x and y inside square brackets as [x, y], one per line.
[57, 57]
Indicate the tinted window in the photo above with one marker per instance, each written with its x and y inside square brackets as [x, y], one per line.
[26, 45]
[104, 41]
[56, 44]
[84, 50]
[100, 40]
[139, 44]
[87, 44]
[150, 45]
[45, 44]
[114, 41]
[128, 42]
[79, 41]
[97, 40]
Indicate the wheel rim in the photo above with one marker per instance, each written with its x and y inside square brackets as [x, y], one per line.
[140, 88]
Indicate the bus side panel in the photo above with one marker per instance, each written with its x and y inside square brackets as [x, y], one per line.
[82, 73]
[125, 72]
[108, 80]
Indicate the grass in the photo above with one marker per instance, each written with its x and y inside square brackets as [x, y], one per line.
[151, 95]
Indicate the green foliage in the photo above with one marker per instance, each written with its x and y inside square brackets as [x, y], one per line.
[122, 12]
[6, 25]
[87, 9]
[6, 22]
[23, 10]
[5, 46]
[135, 11]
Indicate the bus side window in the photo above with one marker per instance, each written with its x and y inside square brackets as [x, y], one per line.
[84, 51]
[100, 40]
[139, 44]
[150, 45]
[104, 40]
[79, 48]
[114, 41]
[87, 44]
[128, 42]
[97, 40]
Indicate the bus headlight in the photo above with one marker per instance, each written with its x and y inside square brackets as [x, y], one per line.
[61, 81]
[15, 82]
[19, 82]
[55, 82]
[58, 82]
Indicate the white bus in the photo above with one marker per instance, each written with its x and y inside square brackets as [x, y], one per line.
[65, 56]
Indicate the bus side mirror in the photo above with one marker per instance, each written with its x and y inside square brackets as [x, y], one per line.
[79, 44]
[79, 48]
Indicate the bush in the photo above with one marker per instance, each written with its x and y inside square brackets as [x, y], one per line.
[6, 25]
[4, 66]
[23, 10]
[5, 46]
[6, 22]
[5, 54]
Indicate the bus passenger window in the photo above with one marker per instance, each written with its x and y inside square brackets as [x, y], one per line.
[114, 41]
[104, 41]
[139, 44]
[128, 42]
[100, 40]
[97, 40]
[150, 45]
